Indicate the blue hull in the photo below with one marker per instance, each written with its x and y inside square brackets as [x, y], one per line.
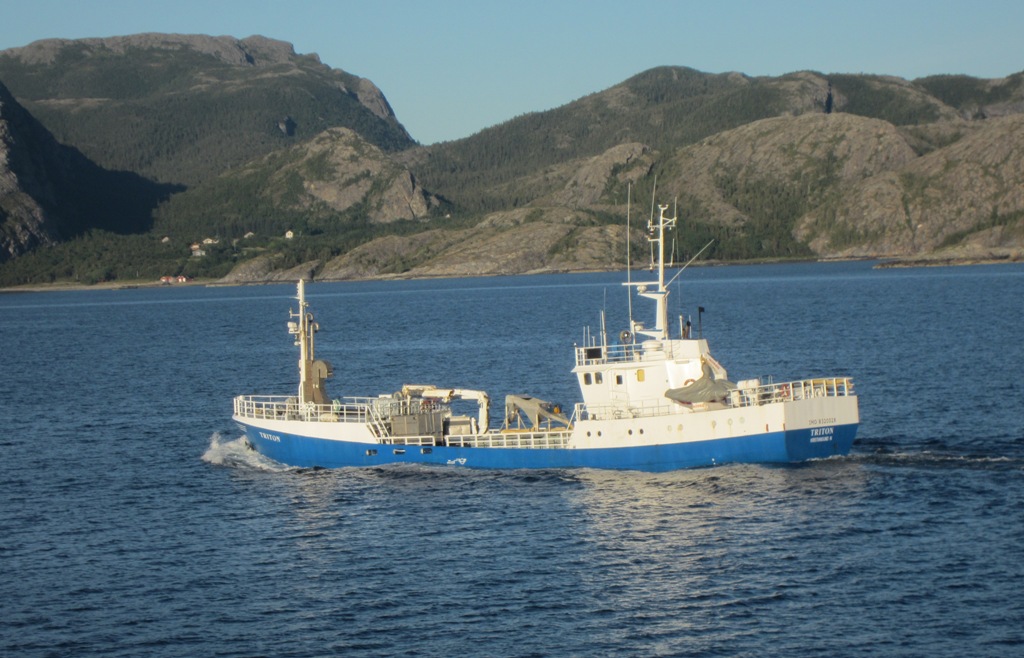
[773, 447]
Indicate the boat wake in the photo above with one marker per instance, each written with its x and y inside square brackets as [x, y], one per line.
[927, 459]
[234, 453]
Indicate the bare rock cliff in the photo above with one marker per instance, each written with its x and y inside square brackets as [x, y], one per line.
[338, 169]
[967, 192]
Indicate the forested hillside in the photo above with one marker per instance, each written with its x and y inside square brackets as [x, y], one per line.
[665, 108]
[50, 193]
[181, 109]
[283, 165]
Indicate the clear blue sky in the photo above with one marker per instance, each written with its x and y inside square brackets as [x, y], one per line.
[450, 68]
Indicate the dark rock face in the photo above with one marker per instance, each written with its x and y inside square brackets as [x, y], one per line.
[30, 213]
[50, 192]
[184, 108]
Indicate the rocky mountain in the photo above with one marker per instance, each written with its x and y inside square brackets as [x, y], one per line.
[50, 192]
[671, 107]
[181, 108]
[965, 200]
[290, 167]
[514, 242]
[29, 208]
[814, 185]
[841, 185]
[317, 186]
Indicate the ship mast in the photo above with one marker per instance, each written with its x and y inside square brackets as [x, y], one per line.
[304, 329]
[656, 290]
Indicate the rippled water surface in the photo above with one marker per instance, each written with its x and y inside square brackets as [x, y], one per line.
[134, 523]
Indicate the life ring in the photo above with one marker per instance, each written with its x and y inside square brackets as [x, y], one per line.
[687, 382]
[784, 390]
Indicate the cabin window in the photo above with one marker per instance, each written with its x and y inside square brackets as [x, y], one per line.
[640, 375]
[598, 378]
[586, 378]
[618, 379]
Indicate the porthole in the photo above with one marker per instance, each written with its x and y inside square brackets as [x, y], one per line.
[399, 451]
[371, 453]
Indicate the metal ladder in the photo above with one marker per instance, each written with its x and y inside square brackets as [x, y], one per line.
[377, 425]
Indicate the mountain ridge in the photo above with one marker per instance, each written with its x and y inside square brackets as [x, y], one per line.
[179, 108]
[804, 165]
[50, 192]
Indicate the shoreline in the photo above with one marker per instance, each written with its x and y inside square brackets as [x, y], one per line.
[897, 263]
[58, 286]
[883, 263]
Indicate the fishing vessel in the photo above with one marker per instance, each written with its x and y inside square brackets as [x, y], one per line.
[650, 402]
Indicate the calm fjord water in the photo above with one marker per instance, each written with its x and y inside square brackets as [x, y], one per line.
[133, 523]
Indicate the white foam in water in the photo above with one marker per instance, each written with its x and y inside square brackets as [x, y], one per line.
[235, 453]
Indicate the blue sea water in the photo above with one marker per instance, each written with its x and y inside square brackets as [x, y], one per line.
[134, 523]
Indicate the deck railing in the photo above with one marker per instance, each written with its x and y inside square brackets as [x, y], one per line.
[350, 409]
[586, 356]
[741, 397]
[494, 439]
[365, 410]
[283, 407]
[375, 410]
[512, 439]
[821, 387]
